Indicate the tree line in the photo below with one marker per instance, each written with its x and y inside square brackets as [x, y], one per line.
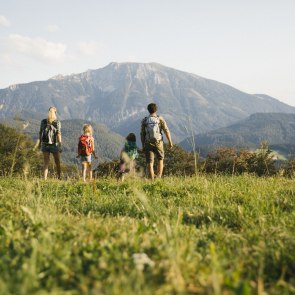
[18, 157]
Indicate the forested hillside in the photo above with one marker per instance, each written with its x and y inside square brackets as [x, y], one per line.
[108, 143]
[276, 128]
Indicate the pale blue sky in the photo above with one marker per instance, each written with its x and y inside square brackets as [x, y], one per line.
[248, 44]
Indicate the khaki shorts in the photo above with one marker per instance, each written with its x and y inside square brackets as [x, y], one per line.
[152, 149]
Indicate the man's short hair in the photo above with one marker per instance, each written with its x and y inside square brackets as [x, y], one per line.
[152, 108]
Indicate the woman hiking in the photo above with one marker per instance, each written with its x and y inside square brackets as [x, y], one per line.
[50, 141]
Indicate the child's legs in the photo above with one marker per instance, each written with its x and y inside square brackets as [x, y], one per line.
[84, 168]
[121, 178]
[89, 170]
[132, 166]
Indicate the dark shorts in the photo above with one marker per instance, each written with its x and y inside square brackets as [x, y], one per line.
[152, 149]
[85, 159]
[49, 148]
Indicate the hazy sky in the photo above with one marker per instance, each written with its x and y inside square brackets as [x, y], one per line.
[248, 44]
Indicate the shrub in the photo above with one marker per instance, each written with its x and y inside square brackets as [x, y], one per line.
[17, 155]
[229, 160]
[288, 168]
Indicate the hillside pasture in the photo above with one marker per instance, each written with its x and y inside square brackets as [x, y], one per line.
[195, 235]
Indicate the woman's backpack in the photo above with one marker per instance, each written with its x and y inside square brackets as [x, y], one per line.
[49, 132]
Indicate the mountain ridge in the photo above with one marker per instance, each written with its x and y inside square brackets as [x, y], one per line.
[278, 129]
[117, 95]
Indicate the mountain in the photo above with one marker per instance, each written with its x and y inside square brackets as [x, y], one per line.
[117, 96]
[277, 129]
[107, 143]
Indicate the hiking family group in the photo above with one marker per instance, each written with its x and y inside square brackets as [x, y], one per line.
[151, 134]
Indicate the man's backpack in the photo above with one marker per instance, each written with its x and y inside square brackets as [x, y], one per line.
[85, 147]
[49, 132]
[152, 129]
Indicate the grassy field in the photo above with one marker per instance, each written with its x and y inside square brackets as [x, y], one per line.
[199, 235]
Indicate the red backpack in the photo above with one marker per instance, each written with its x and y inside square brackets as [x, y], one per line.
[85, 147]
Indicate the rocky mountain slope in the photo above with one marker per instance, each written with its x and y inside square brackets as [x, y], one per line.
[117, 96]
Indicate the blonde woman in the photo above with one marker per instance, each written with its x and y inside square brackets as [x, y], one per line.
[85, 150]
[50, 141]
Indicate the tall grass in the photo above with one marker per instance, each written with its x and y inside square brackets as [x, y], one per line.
[199, 235]
[191, 140]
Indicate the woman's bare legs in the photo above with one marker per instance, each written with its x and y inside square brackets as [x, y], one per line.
[57, 164]
[46, 157]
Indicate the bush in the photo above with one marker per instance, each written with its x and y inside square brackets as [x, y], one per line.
[17, 155]
[176, 162]
[229, 160]
[288, 168]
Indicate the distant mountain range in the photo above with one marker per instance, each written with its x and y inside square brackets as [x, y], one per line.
[117, 96]
[107, 143]
[277, 129]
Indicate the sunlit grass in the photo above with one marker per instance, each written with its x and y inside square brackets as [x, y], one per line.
[199, 235]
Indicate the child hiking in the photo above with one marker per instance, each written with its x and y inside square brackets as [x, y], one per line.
[128, 157]
[152, 139]
[85, 151]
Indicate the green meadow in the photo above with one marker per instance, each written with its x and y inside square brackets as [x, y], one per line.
[194, 235]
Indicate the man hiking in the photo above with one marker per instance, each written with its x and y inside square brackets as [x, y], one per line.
[152, 139]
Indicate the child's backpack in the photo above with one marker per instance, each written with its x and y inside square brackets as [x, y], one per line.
[84, 146]
[130, 148]
[152, 129]
[49, 132]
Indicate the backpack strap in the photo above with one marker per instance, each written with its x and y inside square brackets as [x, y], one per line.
[144, 121]
[43, 124]
[42, 128]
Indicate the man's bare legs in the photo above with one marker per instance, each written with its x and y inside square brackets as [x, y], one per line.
[151, 170]
[160, 168]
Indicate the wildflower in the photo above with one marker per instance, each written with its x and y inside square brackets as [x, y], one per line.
[141, 260]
